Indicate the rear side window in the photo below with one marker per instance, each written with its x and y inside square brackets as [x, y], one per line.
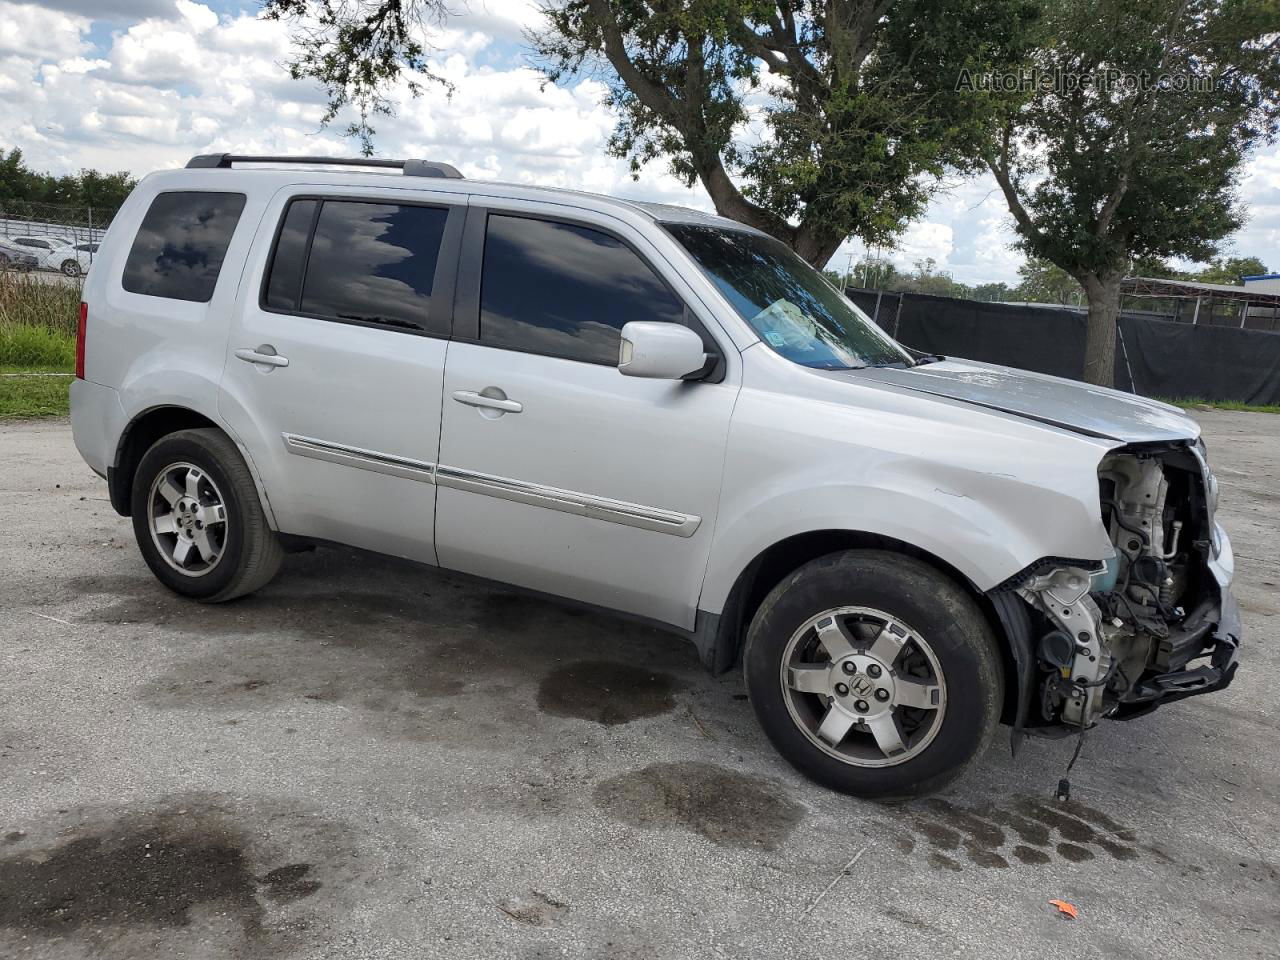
[284, 285]
[565, 290]
[357, 261]
[180, 246]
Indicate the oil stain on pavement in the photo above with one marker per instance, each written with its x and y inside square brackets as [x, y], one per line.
[1030, 831]
[726, 807]
[606, 693]
[165, 868]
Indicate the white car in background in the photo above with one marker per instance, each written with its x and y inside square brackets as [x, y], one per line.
[58, 253]
[74, 260]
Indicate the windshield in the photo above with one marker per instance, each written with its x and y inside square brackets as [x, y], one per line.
[790, 305]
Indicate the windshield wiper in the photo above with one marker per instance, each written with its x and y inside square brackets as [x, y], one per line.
[919, 358]
[899, 364]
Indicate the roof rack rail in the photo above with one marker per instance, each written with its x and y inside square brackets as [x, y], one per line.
[410, 168]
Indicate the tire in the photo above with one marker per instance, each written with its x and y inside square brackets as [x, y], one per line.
[899, 630]
[71, 268]
[243, 551]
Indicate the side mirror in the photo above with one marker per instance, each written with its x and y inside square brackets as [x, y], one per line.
[661, 351]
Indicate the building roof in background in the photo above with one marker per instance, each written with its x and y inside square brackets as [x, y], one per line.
[1191, 289]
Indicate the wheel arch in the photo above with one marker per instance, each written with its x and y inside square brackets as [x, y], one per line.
[138, 437]
[720, 637]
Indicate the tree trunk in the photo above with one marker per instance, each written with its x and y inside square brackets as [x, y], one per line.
[1103, 295]
[816, 245]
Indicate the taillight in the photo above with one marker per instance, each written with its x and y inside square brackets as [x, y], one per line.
[84, 319]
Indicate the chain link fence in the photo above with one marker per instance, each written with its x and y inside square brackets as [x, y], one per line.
[63, 240]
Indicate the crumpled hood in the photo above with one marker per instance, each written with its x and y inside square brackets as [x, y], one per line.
[1093, 411]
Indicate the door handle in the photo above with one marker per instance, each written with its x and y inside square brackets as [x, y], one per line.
[473, 399]
[264, 354]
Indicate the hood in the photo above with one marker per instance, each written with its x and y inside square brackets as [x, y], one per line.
[1080, 407]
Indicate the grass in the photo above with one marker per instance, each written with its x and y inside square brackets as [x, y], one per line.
[26, 394]
[36, 348]
[1222, 404]
[37, 336]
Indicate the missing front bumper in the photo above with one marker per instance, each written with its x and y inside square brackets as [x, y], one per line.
[1222, 646]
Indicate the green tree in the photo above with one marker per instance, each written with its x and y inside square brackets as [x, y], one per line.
[928, 279]
[1133, 148]
[1040, 281]
[875, 273]
[21, 187]
[992, 292]
[861, 106]
[16, 181]
[1230, 270]
[860, 101]
[1151, 267]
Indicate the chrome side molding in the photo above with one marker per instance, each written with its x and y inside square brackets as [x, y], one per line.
[569, 501]
[310, 447]
[504, 488]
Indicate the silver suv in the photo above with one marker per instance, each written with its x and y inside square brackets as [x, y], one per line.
[657, 412]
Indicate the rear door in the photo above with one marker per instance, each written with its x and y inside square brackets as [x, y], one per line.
[335, 362]
[557, 472]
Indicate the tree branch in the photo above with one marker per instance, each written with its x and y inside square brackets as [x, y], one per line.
[686, 116]
[999, 167]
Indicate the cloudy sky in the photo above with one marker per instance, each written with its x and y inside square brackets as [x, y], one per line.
[143, 84]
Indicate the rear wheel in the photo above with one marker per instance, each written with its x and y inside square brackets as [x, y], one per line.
[198, 520]
[71, 268]
[874, 674]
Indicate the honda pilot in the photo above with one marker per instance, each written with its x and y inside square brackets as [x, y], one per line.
[661, 413]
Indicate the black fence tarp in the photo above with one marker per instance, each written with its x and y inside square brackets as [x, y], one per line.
[1166, 359]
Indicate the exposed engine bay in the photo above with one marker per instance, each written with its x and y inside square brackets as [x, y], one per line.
[1149, 625]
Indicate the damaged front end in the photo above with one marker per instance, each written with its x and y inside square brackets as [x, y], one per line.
[1156, 622]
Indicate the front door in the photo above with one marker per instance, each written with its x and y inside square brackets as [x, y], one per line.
[558, 473]
[335, 363]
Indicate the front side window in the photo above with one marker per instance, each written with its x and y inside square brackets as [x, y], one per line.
[180, 246]
[357, 261]
[788, 303]
[565, 290]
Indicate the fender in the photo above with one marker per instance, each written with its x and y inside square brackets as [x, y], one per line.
[139, 403]
[987, 540]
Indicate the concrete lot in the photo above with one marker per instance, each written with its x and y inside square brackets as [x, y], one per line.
[370, 759]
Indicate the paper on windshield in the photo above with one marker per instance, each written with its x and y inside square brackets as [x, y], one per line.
[784, 325]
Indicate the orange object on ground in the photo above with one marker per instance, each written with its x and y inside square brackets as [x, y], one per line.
[1066, 909]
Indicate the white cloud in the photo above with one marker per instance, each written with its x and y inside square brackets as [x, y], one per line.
[107, 9]
[41, 34]
[199, 17]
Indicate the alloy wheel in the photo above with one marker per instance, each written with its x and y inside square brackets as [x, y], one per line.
[187, 517]
[863, 686]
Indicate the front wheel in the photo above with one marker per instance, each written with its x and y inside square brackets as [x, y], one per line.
[874, 674]
[198, 520]
[71, 268]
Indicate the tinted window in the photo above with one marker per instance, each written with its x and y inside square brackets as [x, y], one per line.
[179, 247]
[565, 290]
[373, 263]
[285, 282]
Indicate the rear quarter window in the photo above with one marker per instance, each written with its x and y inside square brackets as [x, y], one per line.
[181, 244]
